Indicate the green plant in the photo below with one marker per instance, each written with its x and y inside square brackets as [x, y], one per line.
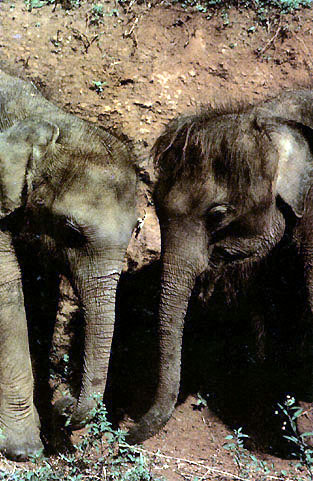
[236, 447]
[103, 453]
[246, 462]
[65, 364]
[303, 452]
[67, 4]
[97, 85]
[30, 4]
[262, 8]
[118, 459]
[201, 403]
[96, 14]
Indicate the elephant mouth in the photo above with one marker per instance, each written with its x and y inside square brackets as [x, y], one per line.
[231, 254]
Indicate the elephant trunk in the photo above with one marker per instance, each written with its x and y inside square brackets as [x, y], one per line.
[96, 278]
[183, 261]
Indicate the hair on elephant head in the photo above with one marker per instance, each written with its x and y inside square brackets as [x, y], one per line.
[223, 177]
[71, 185]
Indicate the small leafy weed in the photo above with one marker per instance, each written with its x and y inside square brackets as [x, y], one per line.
[97, 85]
[102, 453]
[247, 464]
[303, 452]
[200, 404]
[96, 14]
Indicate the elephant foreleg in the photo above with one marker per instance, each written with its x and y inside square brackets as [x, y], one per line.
[19, 421]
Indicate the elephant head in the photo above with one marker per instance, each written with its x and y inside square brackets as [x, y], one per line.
[220, 176]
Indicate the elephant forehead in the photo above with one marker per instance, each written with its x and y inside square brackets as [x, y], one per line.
[189, 195]
[94, 186]
[93, 201]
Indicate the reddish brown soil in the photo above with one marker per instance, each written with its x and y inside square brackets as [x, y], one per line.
[155, 61]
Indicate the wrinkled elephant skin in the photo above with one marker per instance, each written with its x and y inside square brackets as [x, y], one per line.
[70, 184]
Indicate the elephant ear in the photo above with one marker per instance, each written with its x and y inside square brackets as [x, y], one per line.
[293, 142]
[22, 146]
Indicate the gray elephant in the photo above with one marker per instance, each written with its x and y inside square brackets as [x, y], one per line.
[71, 185]
[230, 182]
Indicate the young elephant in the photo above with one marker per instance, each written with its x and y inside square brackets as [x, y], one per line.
[227, 180]
[72, 185]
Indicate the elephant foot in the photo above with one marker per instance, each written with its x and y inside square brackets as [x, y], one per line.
[148, 425]
[304, 422]
[21, 444]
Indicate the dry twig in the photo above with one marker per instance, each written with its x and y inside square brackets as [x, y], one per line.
[272, 40]
[87, 42]
[209, 469]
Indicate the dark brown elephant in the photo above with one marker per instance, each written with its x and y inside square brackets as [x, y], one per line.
[226, 179]
[71, 185]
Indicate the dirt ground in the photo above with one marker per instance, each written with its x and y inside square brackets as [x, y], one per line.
[132, 70]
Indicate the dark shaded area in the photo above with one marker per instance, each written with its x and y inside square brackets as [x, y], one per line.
[220, 358]
[219, 354]
[134, 358]
[240, 388]
[41, 295]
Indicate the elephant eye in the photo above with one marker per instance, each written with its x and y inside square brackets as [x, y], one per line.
[70, 232]
[219, 215]
[73, 225]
